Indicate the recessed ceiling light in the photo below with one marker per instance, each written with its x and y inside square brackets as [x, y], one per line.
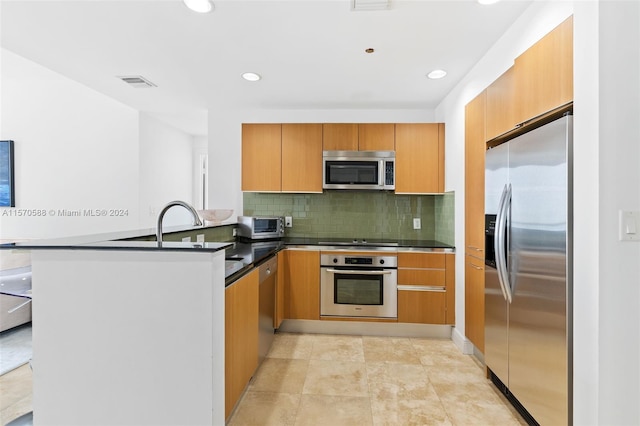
[200, 6]
[251, 76]
[436, 74]
[488, 1]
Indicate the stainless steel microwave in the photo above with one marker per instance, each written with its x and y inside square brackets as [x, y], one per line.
[370, 170]
[260, 227]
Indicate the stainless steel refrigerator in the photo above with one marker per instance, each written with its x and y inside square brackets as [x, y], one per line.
[528, 280]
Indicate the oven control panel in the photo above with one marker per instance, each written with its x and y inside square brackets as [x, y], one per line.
[351, 260]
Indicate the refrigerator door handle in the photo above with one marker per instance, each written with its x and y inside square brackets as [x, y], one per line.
[508, 287]
[498, 242]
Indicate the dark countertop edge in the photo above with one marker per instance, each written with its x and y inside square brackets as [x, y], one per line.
[127, 246]
[81, 241]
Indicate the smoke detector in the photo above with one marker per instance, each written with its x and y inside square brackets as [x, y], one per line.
[136, 81]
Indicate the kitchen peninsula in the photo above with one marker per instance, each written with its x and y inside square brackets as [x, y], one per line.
[127, 332]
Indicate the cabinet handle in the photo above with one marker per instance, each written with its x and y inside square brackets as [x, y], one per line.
[421, 288]
[339, 271]
[475, 248]
[477, 268]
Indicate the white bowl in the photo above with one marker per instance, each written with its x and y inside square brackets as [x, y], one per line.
[215, 215]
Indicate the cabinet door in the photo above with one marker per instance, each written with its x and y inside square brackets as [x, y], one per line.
[500, 105]
[474, 301]
[241, 337]
[302, 284]
[424, 307]
[339, 137]
[474, 175]
[261, 157]
[376, 137]
[420, 158]
[544, 73]
[302, 157]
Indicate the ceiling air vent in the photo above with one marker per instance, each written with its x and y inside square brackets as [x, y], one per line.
[369, 4]
[136, 81]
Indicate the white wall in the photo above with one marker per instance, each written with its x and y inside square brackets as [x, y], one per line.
[75, 149]
[617, 59]
[79, 151]
[166, 171]
[225, 133]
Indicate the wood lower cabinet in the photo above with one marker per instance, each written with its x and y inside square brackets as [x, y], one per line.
[420, 158]
[474, 301]
[426, 287]
[301, 158]
[261, 157]
[301, 282]
[241, 336]
[544, 73]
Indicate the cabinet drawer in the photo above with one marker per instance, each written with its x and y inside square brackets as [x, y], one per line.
[421, 260]
[424, 307]
[427, 277]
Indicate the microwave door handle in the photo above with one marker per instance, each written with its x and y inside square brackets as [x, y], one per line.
[349, 272]
[381, 177]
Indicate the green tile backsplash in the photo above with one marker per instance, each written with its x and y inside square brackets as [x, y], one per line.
[343, 214]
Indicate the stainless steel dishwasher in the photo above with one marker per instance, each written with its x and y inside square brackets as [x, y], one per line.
[267, 301]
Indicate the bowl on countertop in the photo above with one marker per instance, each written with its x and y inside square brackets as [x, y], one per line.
[215, 216]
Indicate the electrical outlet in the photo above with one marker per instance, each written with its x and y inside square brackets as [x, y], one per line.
[416, 223]
[200, 238]
[288, 221]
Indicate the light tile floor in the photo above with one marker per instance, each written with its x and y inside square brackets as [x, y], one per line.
[15, 394]
[311, 379]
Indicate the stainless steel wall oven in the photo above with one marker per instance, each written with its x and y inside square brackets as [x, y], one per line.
[358, 286]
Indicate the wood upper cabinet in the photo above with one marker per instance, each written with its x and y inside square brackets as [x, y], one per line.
[241, 336]
[339, 137]
[544, 73]
[301, 158]
[420, 158]
[475, 149]
[426, 288]
[301, 276]
[358, 137]
[261, 157]
[500, 105]
[376, 137]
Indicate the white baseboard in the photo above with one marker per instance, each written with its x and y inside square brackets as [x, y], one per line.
[464, 344]
[366, 328]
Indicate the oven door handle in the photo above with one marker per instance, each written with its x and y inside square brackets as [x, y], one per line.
[347, 272]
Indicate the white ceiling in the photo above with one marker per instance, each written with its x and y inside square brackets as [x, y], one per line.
[311, 53]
